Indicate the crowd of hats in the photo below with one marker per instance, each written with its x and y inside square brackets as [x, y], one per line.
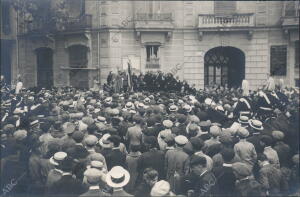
[94, 119]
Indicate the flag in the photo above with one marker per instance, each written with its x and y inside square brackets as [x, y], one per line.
[129, 77]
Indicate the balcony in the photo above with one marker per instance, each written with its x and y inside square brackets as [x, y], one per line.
[290, 15]
[154, 22]
[153, 63]
[83, 22]
[71, 24]
[238, 21]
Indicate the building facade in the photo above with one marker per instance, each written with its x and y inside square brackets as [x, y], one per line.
[203, 42]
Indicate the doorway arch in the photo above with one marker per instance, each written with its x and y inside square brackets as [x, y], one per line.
[44, 67]
[224, 66]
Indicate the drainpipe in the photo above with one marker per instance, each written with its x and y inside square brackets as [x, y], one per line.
[98, 35]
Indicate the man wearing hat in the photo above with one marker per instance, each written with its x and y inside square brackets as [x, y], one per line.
[267, 141]
[245, 183]
[161, 188]
[283, 150]
[175, 160]
[180, 128]
[56, 173]
[93, 178]
[244, 151]
[115, 156]
[68, 140]
[67, 184]
[168, 124]
[214, 131]
[80, 151]
[256, 127]
[269, 176]
[134, 134]
[117, 178]
[199, 182]
[152, 158]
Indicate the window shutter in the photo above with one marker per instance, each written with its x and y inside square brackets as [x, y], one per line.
[224, 7]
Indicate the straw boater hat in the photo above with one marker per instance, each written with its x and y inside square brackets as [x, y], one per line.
[104, 143]
[57, 158]
[256, 124]
[243, 120]
[117, 177]
[173, 108]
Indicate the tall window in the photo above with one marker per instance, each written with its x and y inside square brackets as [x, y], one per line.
[5, 17]
[297, 54]
[224, 7]
[278, 60]
[291, 8]
[78, 56]
[76, 8]
[152, 60]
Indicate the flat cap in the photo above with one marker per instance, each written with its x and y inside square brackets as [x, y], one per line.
[181, 140]
[278, 135]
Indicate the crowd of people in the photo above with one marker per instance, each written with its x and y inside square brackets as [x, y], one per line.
[150, 81]
[213, 142]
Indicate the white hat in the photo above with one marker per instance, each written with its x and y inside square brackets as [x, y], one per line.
[160, 188]
[117, 177]
[256, 124]
[129, 105]
[173, 108]
[57, 157]
[181, 140]
[208, 101]
[93, 175]
[103, 141]
[187, 108]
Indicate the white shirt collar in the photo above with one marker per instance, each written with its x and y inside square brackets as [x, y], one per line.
[66, 173]
[94, 187]
[227, 165]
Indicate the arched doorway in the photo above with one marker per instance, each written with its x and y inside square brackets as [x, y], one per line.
[44, 67]
[224, 66]
[78, 63]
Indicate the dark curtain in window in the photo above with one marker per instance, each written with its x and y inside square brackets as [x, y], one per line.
[290, 8]
[78, 56]
[5, 13]
[278, 60]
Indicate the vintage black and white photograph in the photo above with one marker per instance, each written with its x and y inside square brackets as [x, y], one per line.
[149, 98]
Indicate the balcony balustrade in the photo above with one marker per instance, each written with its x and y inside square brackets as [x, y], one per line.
[235, 20]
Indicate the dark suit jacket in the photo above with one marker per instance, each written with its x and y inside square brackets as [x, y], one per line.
[225, 180]
[67, 186]
[115, 158]
[255, 140]
[154, 159]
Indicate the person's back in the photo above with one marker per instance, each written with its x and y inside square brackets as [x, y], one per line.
[115, 158]
[134, 135]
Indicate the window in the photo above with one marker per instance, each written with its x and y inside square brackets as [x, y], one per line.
[224, 7]
[297, 54]
[290, 8]
[5, 16]
[78, 56]
[278, 60]
[297, 83]
[76, 8]
[152, 60]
